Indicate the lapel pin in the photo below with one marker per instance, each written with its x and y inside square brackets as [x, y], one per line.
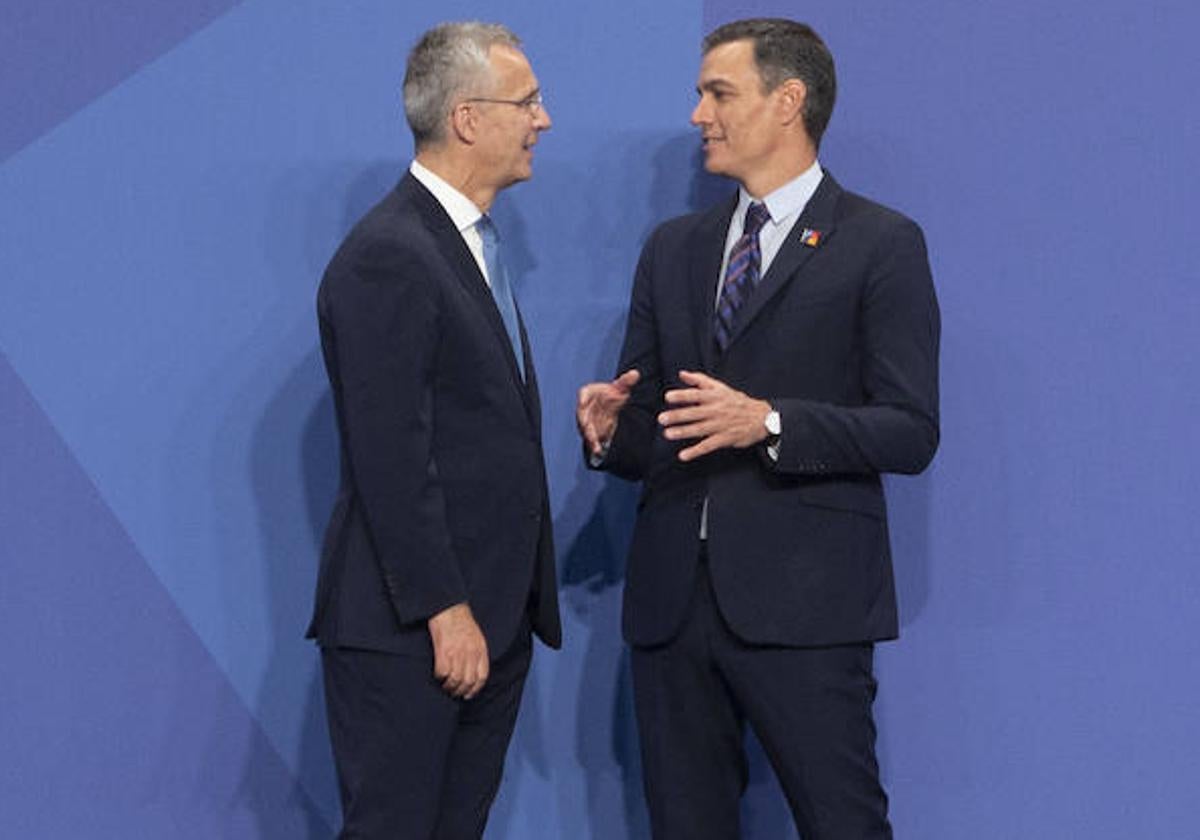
[810, 237]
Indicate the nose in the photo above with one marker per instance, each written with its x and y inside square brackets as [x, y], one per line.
[541, 118]
[700, 114]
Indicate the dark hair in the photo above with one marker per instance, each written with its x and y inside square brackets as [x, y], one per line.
[785, 49]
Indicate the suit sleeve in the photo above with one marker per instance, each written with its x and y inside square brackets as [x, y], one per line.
[896, 427]
[629, 452]
[382, 318]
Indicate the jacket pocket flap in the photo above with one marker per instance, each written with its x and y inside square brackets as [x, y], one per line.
[856, 497]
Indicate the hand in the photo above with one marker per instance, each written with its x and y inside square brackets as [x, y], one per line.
[598, 406]
[460, 654]
[720, 416]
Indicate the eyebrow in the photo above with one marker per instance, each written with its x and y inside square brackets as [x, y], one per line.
[715, 86]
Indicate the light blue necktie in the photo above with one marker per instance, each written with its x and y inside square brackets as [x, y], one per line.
[501, 290]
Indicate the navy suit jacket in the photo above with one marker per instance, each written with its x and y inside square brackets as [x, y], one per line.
[443, 493]
[841, 336]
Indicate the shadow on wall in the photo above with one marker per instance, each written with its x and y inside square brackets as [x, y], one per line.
[294, 475]
[290, 548]
[593, 569]
[909, 515]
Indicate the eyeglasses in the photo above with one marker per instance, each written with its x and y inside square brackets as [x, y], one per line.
[532, 103]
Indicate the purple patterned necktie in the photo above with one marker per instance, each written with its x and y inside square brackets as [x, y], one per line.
[741, 276]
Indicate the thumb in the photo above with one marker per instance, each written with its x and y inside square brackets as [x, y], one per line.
[628, 379]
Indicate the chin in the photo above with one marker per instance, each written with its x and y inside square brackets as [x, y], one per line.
[714, 166]
[517, 176]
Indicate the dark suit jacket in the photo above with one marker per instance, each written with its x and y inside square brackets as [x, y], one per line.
[443, 493]
[842, 338]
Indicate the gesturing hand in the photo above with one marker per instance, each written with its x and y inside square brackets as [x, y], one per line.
[460, 654]
[720, 416]
[597, 408]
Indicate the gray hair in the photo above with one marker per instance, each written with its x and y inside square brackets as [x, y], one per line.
[785, 49]
[449, 61]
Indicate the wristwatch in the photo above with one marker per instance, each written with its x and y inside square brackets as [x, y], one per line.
[773, 425]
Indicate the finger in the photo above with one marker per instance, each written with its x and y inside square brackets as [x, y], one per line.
[467, 683]
[589, 395]
[476, 673]
[462, 682]
[594, 391]
[441, 663]
[627, 379]
[451, 686]
[449, 673]
[595, 437]
[691, 430]
[614, 396]
[688, 414]
[480, 681]
[709, 444]
[687, 396]
[699, 380]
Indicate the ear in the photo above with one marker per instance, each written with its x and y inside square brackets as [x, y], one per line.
[464, 123]
[792, 95]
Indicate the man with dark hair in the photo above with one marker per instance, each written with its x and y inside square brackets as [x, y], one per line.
[435, 571]
[780, 354]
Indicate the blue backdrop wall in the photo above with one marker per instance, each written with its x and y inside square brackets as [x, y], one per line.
[173, 178]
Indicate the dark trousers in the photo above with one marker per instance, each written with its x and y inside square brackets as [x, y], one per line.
[414, 763]
[809, 707]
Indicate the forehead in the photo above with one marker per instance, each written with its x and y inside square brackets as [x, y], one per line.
[511, 68]
[731, 62]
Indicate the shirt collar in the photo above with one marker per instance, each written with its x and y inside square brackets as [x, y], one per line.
[462, 210]
[789, 200]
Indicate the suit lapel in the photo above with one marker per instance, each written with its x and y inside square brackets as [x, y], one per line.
[789, 262]
[708, 252]
[451, 245]
[533, 403]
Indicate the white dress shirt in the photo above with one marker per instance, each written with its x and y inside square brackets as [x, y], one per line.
[462, 211]
[785, 206]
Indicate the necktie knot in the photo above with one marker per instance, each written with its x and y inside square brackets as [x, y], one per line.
[757, 215]
[487, 231]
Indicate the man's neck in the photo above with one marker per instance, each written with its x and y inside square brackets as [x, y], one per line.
[765, 181]
[458, 172]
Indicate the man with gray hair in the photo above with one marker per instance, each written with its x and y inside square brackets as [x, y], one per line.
[438, 563]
